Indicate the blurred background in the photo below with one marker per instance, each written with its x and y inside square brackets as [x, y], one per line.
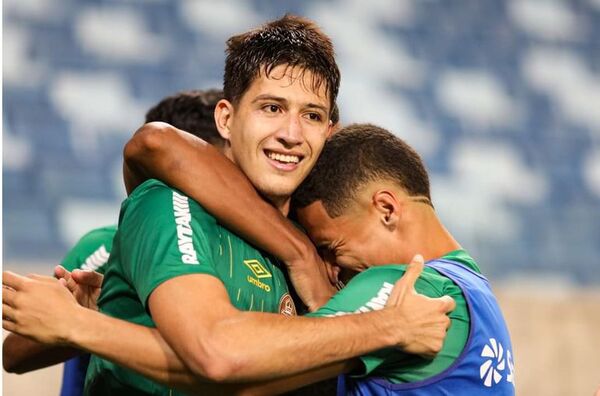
[502, 99]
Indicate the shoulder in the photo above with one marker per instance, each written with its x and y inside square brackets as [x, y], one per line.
[95, 246]
[155, 198]
[429, 283]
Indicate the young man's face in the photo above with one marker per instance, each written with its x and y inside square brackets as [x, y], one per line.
[354, 240]
[278, 129]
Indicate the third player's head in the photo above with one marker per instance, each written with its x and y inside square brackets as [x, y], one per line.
[367, 200]
[191, 111]
[280, 84]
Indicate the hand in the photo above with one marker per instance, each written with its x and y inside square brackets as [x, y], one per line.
[425, 319]
[314, 279]
[85, 285]
[38, 307]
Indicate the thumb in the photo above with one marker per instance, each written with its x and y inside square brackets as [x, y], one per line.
[407, 282]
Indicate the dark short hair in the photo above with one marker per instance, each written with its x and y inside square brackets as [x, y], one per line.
[354, 156]
[191, 111]
[291, 40]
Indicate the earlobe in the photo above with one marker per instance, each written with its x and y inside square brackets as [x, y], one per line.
[223, 113]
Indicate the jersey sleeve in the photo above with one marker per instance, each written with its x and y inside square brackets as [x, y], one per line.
[369, 291]
[162, 237]
[91, 251]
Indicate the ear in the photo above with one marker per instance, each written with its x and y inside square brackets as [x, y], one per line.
[388, 207]
[223, 117]
[331, 128]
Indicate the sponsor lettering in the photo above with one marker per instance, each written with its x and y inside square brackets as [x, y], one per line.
[374, 304]
[183, 219]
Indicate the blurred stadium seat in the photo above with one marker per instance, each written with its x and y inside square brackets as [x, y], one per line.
[502, 98]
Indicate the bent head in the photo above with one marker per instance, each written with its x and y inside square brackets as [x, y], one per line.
[281, 81]
[356, 202]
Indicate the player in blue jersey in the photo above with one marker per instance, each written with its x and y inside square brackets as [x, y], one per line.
[367, 204]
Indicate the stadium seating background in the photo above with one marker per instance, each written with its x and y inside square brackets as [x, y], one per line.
[502, 98]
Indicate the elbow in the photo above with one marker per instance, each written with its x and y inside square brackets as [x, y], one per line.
[214, 362]
[150, 139]
[9, 364]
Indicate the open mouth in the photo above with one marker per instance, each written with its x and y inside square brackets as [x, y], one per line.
[283, 159]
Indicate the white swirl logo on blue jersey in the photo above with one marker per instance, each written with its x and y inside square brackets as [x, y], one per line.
[495, 364]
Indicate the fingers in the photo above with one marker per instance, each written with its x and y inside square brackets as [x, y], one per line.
[448, 304]
[407, 282]
[9, 325]
[12, 280]
[42, 278]
[8, 296]
[88, 278]
[8, 312]
[61, 272]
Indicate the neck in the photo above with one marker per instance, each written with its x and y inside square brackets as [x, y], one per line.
[282, 204]
[425, 234]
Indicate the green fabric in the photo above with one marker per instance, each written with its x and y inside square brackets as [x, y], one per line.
[163, 235]
[370, 289]
[91, 251]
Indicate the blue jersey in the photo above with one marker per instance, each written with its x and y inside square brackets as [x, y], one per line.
[485, 365]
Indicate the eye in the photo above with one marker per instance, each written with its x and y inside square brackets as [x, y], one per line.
[271, 108]
[314, 117]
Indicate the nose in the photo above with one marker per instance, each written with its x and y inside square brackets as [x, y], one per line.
[291, 134]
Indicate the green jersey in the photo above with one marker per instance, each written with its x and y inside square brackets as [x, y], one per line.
[162, 234]
[370, 290]
[91, 251]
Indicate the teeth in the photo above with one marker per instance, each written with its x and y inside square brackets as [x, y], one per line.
[283, 158]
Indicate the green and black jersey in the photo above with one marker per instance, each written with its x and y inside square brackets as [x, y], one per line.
[370, 290]
[162, 234]
[92, 251]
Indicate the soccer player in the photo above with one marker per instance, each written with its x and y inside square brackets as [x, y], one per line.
[191, 111]
[175, 267]
[367, 204]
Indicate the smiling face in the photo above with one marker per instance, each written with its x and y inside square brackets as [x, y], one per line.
[355, 240]
[277, 130]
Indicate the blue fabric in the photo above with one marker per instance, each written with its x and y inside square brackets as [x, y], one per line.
[74, 376]
[484, 367]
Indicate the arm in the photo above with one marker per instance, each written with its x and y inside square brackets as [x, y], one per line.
[21, 355]
[211, 347]
[133, 346]
[161, 151]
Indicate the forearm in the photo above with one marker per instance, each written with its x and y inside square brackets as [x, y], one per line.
[133, 346]
[143, 350]
[259, 347]
[21, 355]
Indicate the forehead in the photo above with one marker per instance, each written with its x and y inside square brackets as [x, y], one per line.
[320, 227]
[292, 82]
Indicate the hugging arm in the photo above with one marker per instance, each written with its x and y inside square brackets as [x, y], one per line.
[161, 151]
[193, 352]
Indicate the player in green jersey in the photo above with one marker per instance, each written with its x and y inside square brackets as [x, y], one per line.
[191, 111]
[280, 84]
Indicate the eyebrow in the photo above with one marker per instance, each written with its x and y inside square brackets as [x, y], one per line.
[279, 99]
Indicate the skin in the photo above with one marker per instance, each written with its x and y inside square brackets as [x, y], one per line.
[272, 118]
[209, 348]
[384, 225]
